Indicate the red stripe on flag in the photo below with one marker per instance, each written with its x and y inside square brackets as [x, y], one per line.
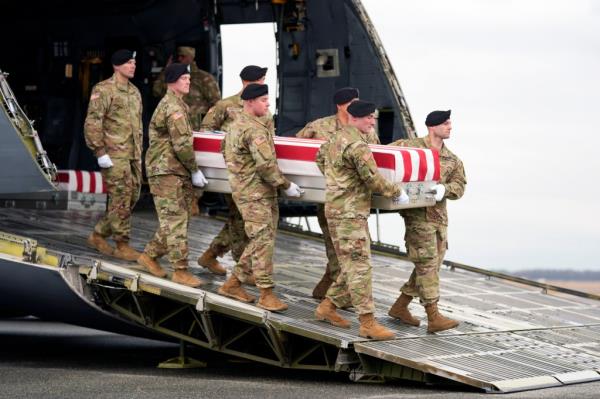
[208, 145]
[79, 177]
[92, 182]
[406, 159]
[422, 165]
[386, 161]
[296, 153]
[436, 165]
[63, 177]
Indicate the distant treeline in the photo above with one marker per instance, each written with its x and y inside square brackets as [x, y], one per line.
[571, 275]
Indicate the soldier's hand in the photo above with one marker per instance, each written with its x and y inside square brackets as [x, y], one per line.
[105, 162]
[440, 190]
[294, 191]
[198, 179]
[402, 199]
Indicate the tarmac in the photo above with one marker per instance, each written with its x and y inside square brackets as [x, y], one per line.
[43, 359]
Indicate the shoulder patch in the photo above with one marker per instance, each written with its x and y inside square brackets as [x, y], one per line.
[177, 115]
[94, 96]
[259, 140]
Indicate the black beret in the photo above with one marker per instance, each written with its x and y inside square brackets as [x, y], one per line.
[437, 118]
[174, 71]
[120, 57]
[345, 95]
[359, 108]
[254, 90]
[252, 73]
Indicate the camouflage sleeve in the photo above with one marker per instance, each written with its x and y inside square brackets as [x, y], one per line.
[373, 138]
[159, 87]
[263, 153]
[361, 156]
[307, 132]
[455, 186]
[213, 93]
[214, 118]
[97, 108]
[182, 139]
[399, 143]
[321, 157]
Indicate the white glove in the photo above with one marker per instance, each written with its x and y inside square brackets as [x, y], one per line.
[294, 191]
[198, 179]
[105, 162]
[401, 199]
[440, 190]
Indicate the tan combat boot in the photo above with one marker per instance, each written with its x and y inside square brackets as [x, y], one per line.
[399, 310]
[182, 276]
[326, 311]
[125, 252]
[151, 265]
[98, 242]
[233, 289]
[269, 301]
[209, 261]
[436, 322]
[369, 328]
[322, 286]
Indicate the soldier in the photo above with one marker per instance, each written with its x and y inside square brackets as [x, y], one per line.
[113, 131]
[426, 228]
[204, 93]
[204, 90]
[254, 178]
[323, 129]
[170, 161]
[232, 236]
[351, 177]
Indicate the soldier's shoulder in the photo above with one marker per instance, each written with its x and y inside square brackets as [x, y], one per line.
[104, 86]
[325, 121]
[447, 152]
[416, 142]
[202, 74]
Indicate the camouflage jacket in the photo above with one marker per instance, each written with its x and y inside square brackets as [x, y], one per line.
[324, 128]
[171, 149]
[113, 124]
[204, 93]
[452, 176]
[223, 113]
[249, 153]
[351, 175]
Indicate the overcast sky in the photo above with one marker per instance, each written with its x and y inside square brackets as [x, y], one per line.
[521, 80]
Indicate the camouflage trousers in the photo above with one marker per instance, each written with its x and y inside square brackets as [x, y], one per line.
[173, 196]
[232, 235]
[333, 266]
[260, 223]
[123, 183]
[426, 244]
[353, 285]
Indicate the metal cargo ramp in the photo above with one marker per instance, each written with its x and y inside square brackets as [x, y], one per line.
[514, 335]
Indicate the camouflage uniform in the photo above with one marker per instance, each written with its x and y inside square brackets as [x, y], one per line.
[254, 177]
[170, 161]
[426, 235]
[204, 93]
[323, 129]
[351, 176]
[232, 236]
[113, 126]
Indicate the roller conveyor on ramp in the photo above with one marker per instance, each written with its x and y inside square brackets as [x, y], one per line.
[512, 336]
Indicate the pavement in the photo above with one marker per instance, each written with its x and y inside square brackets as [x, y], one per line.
[43, 359]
